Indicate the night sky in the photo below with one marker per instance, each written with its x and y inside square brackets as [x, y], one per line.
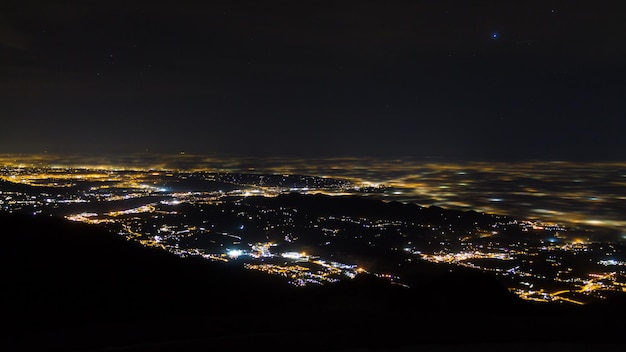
[490, 80]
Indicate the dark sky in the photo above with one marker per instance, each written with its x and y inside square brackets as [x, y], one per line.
[464, 79]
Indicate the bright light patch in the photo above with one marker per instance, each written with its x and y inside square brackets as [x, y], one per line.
[291, 255]
[234, 253]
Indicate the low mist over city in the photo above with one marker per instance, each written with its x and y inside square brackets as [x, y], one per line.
[543, 236]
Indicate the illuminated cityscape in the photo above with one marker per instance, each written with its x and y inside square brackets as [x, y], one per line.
[312, 228]
[312, 176]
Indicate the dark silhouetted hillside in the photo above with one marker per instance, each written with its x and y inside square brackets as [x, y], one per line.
[355, 206]
[61, 273]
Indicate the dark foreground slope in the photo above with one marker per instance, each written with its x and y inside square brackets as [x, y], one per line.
[69, 286]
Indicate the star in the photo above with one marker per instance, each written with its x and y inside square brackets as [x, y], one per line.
[495, 35]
